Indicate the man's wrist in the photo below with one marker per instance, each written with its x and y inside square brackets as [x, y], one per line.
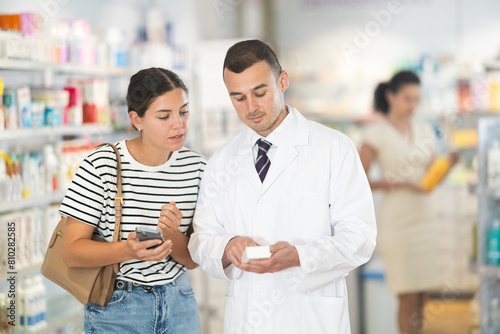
[225, 260]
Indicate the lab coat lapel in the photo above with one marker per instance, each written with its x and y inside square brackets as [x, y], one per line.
[246, 164]
[284, 156]
[297, 134]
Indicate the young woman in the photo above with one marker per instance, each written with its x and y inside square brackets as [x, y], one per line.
[407, 234]
[160, 188]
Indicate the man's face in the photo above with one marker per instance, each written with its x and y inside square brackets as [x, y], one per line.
[258, 97]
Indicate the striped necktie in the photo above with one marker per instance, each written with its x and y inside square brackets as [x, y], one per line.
[262, 163]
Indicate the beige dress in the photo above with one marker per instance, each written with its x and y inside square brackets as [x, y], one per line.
[407, 233]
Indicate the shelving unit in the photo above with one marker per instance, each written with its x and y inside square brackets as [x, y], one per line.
[24, 65]
[489, 208]
[63, 312]
[492, 65]
[89, 129]
[28, 203]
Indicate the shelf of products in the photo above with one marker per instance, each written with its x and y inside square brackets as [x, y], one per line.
[492, 65]
[27, 203]
[26, 65]
[85, 129]
[489, 223]
[44, 135]
[58, 78]
[71, 324]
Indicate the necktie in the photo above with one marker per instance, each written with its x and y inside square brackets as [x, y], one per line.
[262, 163]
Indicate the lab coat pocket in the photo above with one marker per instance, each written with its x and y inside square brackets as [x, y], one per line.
[325, 315]
[311, 214]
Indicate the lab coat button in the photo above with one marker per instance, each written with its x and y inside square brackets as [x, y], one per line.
[262, 200]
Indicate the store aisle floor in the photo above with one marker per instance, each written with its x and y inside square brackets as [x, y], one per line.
[447, 317]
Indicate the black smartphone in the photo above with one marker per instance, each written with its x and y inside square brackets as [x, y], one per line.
[148, 234]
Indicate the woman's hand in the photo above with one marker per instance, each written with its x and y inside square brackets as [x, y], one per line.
[139, 249]
[169, 220]
[453, 157]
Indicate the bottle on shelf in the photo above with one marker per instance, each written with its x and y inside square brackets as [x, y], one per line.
[30, 310]
[3, 177]
[493, 251]
[10, 108]
[2, 113]
[20, 297]
[42, 301]
[51, 169]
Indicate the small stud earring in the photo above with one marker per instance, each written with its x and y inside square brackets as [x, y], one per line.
[139, 130]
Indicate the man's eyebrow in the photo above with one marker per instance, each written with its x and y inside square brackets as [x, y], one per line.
[255, 88]
[168, 110]
[259, 86]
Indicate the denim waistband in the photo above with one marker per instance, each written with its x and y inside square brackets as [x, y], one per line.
[124, 285]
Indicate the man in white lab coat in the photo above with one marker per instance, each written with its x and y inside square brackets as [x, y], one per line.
[303, 192]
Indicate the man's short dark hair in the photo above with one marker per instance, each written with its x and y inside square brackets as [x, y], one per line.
[244, 54]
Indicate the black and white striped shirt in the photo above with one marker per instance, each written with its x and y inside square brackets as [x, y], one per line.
[90, 199]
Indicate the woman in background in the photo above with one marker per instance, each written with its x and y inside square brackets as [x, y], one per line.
[407, 233]
[160, 187]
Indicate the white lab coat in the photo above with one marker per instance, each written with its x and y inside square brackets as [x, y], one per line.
[315, 196]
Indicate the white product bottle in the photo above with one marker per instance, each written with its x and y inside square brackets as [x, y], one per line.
[51, 169]
[3, 179]
[20, 296]
[493, 165]
[18, 181]
[42, 301]
[30, 309]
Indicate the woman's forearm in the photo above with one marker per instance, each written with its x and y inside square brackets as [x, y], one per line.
[180, 251]
[85, 253]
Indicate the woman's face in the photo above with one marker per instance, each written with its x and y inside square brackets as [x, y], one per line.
[165, 124]
[404, 102]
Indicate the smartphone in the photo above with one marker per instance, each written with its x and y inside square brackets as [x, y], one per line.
[148, 234]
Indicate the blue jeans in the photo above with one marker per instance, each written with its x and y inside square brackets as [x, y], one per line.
[169, 308]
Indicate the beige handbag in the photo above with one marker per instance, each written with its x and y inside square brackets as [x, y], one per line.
[88, 285]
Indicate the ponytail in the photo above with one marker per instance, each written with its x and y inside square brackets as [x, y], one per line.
[398, 80]
[380, 100]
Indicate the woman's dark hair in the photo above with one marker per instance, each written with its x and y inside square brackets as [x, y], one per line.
[146, 85]
[394, 85]
[244, 54]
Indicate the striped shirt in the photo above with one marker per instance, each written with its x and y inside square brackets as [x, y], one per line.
[90, 199]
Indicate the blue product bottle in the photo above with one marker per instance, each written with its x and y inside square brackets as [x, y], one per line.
[493, 251]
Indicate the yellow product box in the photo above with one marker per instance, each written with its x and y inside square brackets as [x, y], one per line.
[464, 138]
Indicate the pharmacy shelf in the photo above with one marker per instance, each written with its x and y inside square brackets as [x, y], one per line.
[53, 326]
[24, 65]
[492, 65]
[490, 271]
[23, 133]
[28, 203]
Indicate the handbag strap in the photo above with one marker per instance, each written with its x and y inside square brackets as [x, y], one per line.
[118, 199]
